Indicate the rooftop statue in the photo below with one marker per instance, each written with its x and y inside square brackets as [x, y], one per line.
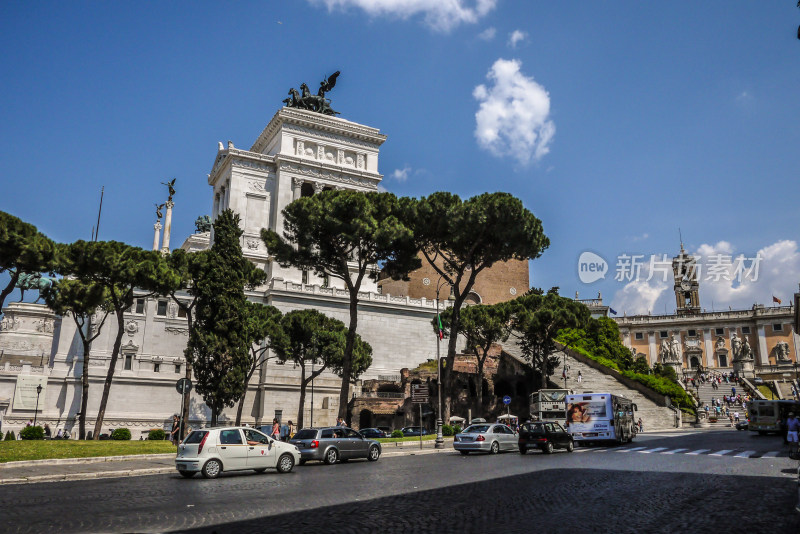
[171, 187]
[35, 281]
[202, 224]
[316, 102]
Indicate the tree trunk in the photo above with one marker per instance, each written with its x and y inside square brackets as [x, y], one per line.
[214, 414]
[301, 406]
[450, 359]
[244, 395]
[347, 363]
[101, 412]
[188, 376]
[87, 348]
[9, 288]
[480, 388]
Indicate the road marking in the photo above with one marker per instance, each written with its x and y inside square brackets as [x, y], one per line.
[699, 451]
[721, 453]
[674, 451]
[745, 454]
[657, 449]
[771, 454]
[631, 450]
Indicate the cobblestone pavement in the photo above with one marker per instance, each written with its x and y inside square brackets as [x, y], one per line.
[592, 491]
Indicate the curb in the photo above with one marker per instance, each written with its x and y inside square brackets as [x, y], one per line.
[87, 460]
[85, 476]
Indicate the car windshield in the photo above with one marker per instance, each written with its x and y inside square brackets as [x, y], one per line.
[534, 428]
[306, 433]
[195, 437]
[476, 429]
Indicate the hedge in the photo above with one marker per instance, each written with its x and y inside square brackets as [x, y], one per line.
[32, 432]
[157, 434]
[121, 434]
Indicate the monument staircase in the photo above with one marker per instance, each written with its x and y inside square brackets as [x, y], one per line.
[707, 392]
[598, 379]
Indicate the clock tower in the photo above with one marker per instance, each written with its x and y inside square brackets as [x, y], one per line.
[686, 273]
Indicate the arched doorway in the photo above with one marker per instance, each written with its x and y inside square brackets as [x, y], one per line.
[694, 363]
[306, 190]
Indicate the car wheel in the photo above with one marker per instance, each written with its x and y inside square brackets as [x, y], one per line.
[212, 468]
[374, 453]
[570, 447]
[464, 452]
[187, 474]
[523, 450]
[285, 463]
[548, 448]
[495, 448]
[260, 469]
[331, 456]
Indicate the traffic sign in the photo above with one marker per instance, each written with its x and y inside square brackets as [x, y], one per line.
[506, 400]
[419, 393]
[184, 385]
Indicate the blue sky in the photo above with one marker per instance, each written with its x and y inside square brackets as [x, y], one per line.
[616, 123]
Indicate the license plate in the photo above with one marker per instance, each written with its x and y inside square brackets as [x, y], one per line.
[590, 434]
[467, 438]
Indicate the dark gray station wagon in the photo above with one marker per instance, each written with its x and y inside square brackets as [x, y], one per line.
[334, 444]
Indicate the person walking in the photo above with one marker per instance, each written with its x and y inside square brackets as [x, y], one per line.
[792, 428]
[641, 425]
[174, 436]
[580, 377]
[276, 430]
[291, 430]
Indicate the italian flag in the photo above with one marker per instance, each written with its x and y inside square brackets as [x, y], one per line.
[441, 333]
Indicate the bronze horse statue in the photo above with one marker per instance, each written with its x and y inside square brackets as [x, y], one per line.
[36, 281]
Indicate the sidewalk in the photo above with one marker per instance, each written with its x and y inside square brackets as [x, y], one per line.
[154, 464]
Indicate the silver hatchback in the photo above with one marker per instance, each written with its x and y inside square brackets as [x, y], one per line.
[485, 437]
[333, 444]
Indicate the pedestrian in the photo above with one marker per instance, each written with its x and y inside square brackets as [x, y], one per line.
[47, 431]
[276, 430]
[60, 434]
[174, 436]
[736, 416]
[792, 427]
[291, 429]
[641, 425]
[284, 432]
[339, 421]
[30, 423]
[580, 377]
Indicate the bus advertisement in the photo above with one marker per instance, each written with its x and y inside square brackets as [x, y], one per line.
[594, 417]
[549, 405]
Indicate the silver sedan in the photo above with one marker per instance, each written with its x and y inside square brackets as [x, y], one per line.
[486, 437]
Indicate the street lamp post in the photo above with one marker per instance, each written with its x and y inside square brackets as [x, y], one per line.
[36, 412]
[439, 444]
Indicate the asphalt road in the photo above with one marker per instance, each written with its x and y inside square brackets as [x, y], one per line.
[652, 485]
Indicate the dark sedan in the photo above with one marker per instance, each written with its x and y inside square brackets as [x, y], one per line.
[372, 433]
[544, 436]
[414, 431]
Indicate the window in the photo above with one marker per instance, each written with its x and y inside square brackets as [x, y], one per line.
[177, 368]
[723, 360]
[745, 330]
[128, 362]
[279, 415]
[719, 331]
[350, 433]
[692, 333]
[139, 305]
[182, 312]
[230, 437]
[305, 277]
[777, 327]
[326, 434]
[156, 367]
[663, 334]
[161, 310]
[638, 335]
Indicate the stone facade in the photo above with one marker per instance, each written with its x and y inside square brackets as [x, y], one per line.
[501, 282]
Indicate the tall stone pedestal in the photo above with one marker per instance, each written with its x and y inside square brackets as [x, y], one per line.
[26, 334]
[744, 367]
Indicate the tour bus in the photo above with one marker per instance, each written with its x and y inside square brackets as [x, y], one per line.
[600, 417]
[766, 415]
[550, 405]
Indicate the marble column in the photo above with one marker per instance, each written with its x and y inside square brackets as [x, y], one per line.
[297, 185]
[156, 234]
[167, 228]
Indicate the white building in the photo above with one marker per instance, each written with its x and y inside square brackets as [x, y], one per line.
[299, 153]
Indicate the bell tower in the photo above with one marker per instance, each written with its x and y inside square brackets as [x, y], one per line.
[686, 274]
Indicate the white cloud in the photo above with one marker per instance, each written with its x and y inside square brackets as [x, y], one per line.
[744, 97]
[515, 37]
[401, 175]
[440, 15]
[728, 279]
[514, 115]
[487, 34]
[640, 237]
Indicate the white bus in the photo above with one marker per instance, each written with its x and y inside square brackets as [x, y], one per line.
[600, 417]
[549, 405]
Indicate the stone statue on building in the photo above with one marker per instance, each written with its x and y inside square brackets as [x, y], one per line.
[159, 207]
[316, 102]
[171, 187]
[736, 347]
[202, 224]
[747, 354]
[782, 351]
[720, 343]
[670, 350]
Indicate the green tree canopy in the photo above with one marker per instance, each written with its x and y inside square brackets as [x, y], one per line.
[537, 320]
[346, 235]
[218, 345]
[123, 272]
[460, 239]
[23, 249]
[482, 326]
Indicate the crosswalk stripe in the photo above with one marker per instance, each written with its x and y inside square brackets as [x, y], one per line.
[721, 453]
[699, 451]
[745, 454]
[675, 451]
[657, 449]
[770, 454]
[632, 449]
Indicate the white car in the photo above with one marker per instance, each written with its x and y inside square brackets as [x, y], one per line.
[213, 450]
